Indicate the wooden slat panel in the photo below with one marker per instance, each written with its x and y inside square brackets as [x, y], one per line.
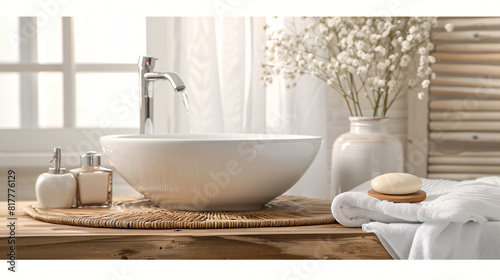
[456, 176]
[454, 160]
[465, 136]
[481, 169]
[470, 47]
[469, 69]
[464, 116]
[469, 22]
[467, 57]
[467, 81]
[436, 153]
[475, 35]
[465, 91]
[465, 105]
[464, 126]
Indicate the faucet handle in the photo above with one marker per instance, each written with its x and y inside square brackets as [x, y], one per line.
[147, 63]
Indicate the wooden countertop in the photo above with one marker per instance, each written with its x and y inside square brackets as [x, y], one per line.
[40, 240]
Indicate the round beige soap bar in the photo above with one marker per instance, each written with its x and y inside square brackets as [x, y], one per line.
[397, 183]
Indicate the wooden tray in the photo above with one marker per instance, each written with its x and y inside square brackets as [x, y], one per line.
[413, 197]
[144, 214]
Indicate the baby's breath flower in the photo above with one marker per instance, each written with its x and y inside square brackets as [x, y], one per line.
[380, 50]
[405, 60]
[381, 66]
[362, 69]
[430, 46]
[405, 45]
[375, 57]
[369, 57]
[323, 29]
[449, 27]
[331, 23]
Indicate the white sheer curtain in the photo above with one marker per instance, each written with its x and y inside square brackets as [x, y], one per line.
[219, 60]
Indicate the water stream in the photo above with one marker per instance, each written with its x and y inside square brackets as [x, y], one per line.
[185, 100]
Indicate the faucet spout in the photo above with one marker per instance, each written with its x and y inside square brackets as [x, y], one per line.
[172, 77]
[147, 76]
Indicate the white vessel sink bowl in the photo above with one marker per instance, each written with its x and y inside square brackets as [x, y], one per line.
[211, 172]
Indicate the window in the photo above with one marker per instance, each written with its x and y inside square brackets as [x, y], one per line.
[64, 78]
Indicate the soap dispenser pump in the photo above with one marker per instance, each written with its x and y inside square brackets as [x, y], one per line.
[56, 189]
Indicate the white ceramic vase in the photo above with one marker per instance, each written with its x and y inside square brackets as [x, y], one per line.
[363, 153]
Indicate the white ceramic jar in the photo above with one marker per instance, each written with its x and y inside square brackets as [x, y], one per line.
[363, 153]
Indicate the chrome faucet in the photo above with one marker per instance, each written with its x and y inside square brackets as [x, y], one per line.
[146, 77]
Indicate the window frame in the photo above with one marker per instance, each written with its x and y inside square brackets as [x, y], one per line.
[29, 145]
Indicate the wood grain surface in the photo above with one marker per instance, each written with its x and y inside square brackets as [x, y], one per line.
[412, 197]
[40, 240]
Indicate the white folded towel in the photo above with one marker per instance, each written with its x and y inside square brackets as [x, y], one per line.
[458, 220]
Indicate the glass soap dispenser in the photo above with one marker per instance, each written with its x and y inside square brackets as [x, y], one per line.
[55, 189]
[94, 182]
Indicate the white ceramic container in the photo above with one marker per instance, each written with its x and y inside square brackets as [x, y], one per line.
[363, 153]
[211, 172]
[55, 190]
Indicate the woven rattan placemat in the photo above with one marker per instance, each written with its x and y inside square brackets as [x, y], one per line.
[143, 214]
